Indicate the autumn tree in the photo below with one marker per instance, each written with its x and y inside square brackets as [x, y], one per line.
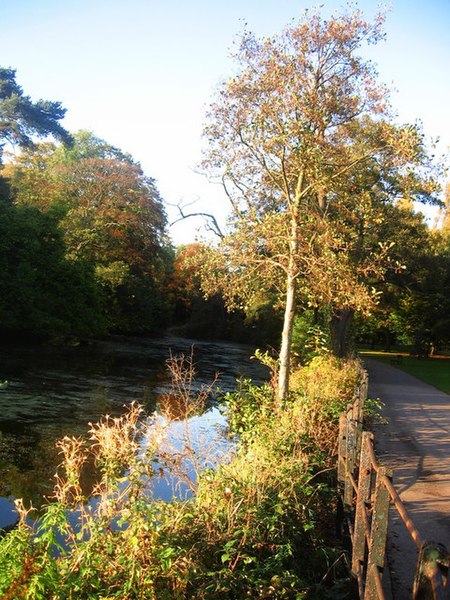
[185, 282]
[446, 212]
[302, 139]
[111, 216]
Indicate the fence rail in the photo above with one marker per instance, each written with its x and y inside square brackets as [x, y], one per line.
[365, 492]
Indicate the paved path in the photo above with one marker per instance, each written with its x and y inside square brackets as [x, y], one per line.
[416, 444]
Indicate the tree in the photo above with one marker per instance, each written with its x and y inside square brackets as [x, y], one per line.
[412, 243]
[300, 138]
[420, 315]
[43, 292]
[21, 118]
[111, 216]
[446, 212]
[185, 285]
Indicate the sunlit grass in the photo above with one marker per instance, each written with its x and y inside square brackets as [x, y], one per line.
[434, 370]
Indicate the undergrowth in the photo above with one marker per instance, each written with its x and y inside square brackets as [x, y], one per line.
[257, 526]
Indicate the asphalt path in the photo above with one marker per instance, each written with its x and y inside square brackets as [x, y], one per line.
[415, 442]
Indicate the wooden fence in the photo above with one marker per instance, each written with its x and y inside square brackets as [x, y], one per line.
[365, 492]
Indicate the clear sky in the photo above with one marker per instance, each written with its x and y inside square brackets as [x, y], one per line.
[141, 73]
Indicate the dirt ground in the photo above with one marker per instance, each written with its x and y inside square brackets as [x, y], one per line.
[416, 444]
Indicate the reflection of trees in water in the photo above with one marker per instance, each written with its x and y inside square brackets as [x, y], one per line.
[55, 392]
[28, 457]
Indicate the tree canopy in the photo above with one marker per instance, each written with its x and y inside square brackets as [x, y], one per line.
[21, 119]
[303, 141]
[109, 216]
[44, 293]
[318, 174]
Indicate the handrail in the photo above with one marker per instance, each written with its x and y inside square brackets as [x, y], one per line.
[397, 502]
[365, 509]
[403, 513]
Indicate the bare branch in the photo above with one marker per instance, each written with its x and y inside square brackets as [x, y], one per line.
[211, 223]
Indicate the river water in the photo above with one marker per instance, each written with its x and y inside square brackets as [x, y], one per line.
[52, 392]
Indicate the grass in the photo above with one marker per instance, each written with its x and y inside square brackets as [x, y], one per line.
[434, 370]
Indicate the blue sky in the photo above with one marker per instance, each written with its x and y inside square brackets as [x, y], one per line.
[141, 73]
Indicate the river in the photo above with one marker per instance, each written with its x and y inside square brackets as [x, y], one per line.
[52, 392]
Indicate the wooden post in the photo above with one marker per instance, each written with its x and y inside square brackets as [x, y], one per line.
[431, 577]
[362, 502]
[350, 451]
[364, 387]
[378, 535]
[341, 479]
[342, 449]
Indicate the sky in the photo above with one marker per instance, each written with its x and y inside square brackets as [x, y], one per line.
[141, 73]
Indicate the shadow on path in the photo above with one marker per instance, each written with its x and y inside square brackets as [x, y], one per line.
[416, 444]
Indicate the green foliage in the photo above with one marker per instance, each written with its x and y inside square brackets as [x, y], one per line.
[415, 305]
[21, 119]
[309, 338]
[87, 145]
[322, 390]
[110, 223]
[42, 292]
[372, 413]
[246, 406]
[137, 305]
[258, 526]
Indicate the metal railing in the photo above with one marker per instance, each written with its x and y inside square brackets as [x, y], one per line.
[365, 493]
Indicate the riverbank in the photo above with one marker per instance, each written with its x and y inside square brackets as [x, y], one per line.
[259, 524]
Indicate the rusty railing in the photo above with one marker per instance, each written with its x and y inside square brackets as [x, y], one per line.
[365, 493]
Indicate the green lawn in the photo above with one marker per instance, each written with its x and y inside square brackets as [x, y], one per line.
[434, 370]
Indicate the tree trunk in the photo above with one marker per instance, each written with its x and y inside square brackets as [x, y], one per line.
[340, 325]
[286, 338]
[289, 313]
[387, 340]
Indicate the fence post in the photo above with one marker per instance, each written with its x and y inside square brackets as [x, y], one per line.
[364, 386]
[362, 501]
[350, 451]
[378, 535]
[359, 413]
[432, 572]
[342, 462]
[341, 449]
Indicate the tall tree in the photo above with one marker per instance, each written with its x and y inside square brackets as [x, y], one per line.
[21, 119]
[111, 216]
[303, 120]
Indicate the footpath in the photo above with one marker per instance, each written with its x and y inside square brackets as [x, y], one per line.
[416, 444]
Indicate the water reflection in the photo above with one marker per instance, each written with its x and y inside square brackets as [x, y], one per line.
[54, 392]
[190, 448]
